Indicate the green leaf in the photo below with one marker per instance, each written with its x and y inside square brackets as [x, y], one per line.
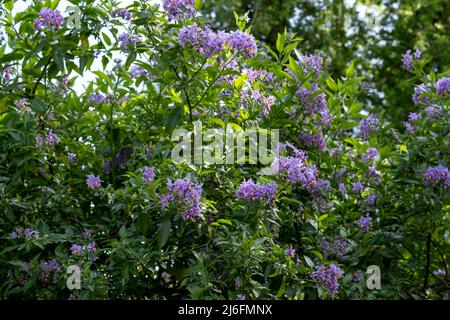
[350, 69]
[123, 232]
[240, 81]
[332, 84]
[280, 42]
[282, 289]
[106, 38]
[309, 262]
[104, 77]
[198, 4]
[164, 232]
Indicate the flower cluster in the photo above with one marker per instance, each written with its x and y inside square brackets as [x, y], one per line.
[418, 97]
[443, 86]
[7, 71]
[368, 125]
[296, 169]
[47, 267]
[127, 40]
[315, 140]
[71, 157]
[242, 42]
[364, 223]
[138, 71]
[50, 139]
[149, 174]
[96, 98]
[336, 247]
[311, 101]
[312, 63]
[439, 174]
[209, 43]
[371, 154]
[327, 277]
[251, 191]
[407, 59]
[122, 13]
[48, 18]
[89, 249]
[94, 182]
[176, 9]
[26, 233]
[186, 194]
[22, 105]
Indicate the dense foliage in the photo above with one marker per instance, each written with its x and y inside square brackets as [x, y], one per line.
[87, 176]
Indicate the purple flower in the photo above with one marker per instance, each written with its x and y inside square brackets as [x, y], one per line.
[296, 168]
[14, 235]
[417, 96]
[243, 43]
[409, 127]
[407, 61]
[71, 157]
[165, 198]
[22, 105]
[315, 140]
[178, 8]
[336, 247]
[417, 54]
[149, 174]
[126, 40]
[364, 223]
[439, 174]
[327, 277]
[212, 42]
[97, 98]
[370, 154]
[431, 111]
[91, 247]
[138, 71]
[443, 86]
[439, 272]
[30, 233]
[414, 116]
[240, 297]
[75, 249]
[357, 277]
[189, 34]
[357, 187]
[290, 252]
[122, 13]
[251, 191]
[93, 182]
[51, 138]
[371, 198]
[48, 19]
[342, 189]
[47, 267]
[186, 194]
[368, 125]
[86, 233]
[311, 101]
[312, 63]
[7, 73]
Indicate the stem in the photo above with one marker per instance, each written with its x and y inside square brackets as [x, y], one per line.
[427, 266]
[41, 75]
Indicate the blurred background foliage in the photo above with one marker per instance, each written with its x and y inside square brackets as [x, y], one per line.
[373, 33]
